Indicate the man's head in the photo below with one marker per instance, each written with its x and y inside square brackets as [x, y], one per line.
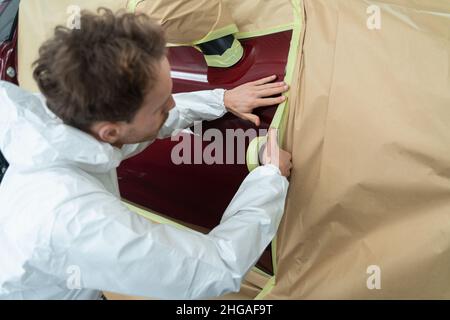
[110, 78]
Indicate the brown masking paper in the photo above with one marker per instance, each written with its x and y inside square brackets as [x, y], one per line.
[188, 21]
[368, 211]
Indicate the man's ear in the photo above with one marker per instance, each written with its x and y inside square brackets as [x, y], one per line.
[107, 132]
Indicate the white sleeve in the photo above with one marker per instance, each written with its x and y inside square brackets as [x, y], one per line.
[118, 251]
[191, 107]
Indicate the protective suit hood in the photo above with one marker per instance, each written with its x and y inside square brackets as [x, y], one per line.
[31, 136]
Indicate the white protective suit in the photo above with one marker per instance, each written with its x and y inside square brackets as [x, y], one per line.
[61, 214]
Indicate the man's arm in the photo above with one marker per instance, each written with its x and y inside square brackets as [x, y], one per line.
[118, 251]
[210, 105]
[213, 104]
[191, 107]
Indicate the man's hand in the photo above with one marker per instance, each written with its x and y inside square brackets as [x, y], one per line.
[272, 154]
[243, 99]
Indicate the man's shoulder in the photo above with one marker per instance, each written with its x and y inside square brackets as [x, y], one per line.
[68, 177]
[49, 188]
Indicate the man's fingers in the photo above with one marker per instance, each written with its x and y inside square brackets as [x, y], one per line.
[273, 145]
[270, 85]
[252, 118]
[272, 139]
[264, 102]
[273, 150]
[272, 91]
[264, 80]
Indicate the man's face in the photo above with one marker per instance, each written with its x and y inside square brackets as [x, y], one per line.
[148, 120]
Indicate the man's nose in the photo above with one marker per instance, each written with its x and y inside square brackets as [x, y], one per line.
[172, 103]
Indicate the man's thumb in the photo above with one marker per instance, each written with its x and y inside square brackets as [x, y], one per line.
[253, 118]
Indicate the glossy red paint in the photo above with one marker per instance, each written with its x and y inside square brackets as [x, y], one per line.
[199, 194]
[8, 58]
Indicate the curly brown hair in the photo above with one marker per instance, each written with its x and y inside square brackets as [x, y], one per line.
[102, 71]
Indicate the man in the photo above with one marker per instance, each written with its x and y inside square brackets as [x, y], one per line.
[64, 233]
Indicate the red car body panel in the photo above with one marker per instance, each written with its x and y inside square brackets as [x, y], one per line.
[8, 57]
[199, 194]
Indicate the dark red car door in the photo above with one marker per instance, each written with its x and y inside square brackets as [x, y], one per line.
[198, 194]
[8, 44]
